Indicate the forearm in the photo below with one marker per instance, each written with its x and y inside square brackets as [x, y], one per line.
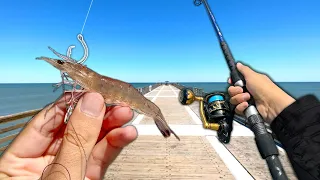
[298, 129]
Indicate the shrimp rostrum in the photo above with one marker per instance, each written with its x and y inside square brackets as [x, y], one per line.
[114, 92]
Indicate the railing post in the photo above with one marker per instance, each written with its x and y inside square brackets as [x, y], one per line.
[201, 92]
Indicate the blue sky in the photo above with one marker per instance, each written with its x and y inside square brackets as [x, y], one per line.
[158, 40]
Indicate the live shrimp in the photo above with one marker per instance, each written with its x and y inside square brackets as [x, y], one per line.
[114, 91]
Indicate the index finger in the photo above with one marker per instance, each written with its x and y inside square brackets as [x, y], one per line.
[234, 90]
[115, 117]
[37, 135]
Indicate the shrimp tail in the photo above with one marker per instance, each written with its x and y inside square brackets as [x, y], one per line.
[164, 128]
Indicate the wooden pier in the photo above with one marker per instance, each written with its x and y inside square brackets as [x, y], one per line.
[199, 154]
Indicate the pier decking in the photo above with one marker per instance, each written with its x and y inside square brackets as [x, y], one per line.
[199, 154]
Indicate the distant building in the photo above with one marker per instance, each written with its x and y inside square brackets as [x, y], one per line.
[166, 83]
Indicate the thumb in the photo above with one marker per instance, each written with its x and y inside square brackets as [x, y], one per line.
[80, 136]
[244, 70]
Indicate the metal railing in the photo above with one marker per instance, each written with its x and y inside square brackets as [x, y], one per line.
[149, 88]
[15, 118]
[197, 91]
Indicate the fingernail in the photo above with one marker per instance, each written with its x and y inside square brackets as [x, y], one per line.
[92, 104]
[239, 64]
[245, 96]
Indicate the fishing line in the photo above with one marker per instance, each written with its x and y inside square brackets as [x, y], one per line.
[80, 38]
[85, 21]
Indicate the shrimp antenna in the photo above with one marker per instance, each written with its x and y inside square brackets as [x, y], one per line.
[61, 55]
[70, 50]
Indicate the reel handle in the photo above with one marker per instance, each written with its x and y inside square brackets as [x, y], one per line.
[187, 96]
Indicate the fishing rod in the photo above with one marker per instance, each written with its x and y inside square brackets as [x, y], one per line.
[263, 139]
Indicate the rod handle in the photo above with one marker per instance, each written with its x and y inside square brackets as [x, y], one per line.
[265, 143]
[236, 77]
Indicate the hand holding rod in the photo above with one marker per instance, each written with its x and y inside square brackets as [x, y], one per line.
[264, 140]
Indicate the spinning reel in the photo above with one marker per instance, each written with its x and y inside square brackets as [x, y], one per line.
[215, 112]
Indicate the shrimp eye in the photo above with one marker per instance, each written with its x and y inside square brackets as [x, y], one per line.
[60, 62]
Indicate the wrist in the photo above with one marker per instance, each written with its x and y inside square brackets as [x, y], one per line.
[278, 103]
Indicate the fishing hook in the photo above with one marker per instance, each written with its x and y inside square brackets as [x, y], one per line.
[85, 49]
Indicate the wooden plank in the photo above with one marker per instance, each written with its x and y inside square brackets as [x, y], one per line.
[153, 157]
[8, 138]
[10, 128]
[246, 152]
[172, 110]
[13, 117]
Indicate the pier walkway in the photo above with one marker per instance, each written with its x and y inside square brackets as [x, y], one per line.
[199, 154]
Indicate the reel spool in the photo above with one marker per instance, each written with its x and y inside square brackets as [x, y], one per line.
[215, 111]
[216, 106]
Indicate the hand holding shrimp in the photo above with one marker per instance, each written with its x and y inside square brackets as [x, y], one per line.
[40, 142]
[57, 141]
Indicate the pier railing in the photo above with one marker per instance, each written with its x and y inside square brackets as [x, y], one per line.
[8, 129]
[10, 124]
[149, 88]
[197, 91]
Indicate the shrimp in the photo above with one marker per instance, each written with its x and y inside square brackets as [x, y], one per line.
[114, 91]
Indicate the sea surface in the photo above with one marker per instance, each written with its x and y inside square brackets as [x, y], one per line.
[16, 98]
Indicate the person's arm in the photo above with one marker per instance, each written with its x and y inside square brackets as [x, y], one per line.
[298, 129]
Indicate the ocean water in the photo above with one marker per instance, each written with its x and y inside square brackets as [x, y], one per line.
[16, 98]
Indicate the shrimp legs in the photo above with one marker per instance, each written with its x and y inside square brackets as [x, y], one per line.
[65, 81]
